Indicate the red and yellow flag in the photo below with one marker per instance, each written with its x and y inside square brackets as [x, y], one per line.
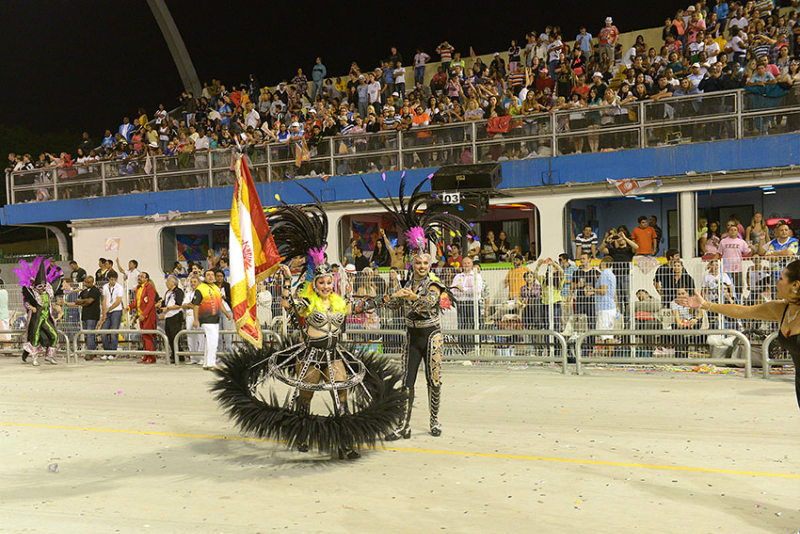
[252, 259]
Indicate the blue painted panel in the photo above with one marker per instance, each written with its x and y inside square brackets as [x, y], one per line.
[757, 153]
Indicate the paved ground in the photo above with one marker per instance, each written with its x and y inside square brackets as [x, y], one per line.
[144, 449]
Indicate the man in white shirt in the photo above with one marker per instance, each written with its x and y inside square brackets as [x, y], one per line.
[111, 314]
[252, 118]
[467, 287]
[131, 277]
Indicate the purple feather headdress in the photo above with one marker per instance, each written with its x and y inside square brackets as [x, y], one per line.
[416, 238]
[27, 272]
[316, 257]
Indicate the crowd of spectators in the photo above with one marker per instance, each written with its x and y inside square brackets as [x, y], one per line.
[703, 49]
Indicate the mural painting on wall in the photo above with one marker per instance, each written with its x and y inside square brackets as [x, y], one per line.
[192, 247]
[367, 232]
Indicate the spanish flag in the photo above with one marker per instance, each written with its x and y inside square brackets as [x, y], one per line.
[250, 261]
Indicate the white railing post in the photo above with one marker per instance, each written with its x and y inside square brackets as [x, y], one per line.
[738, 104]
[103, 177]
[553, 135]
[474, 127]
[331, 147]
[210, 168]
[642, 130]
[55, 184]
[400, 163]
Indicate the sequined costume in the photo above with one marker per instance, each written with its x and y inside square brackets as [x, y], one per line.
[422, 306]
[423, 343]
[38, 280]
[367, 399]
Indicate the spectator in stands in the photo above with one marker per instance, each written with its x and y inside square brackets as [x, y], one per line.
[445, 51]
[172, 312]
[318, 74]
[420, 59]
[380, 255]
[467, 286]
[732, 248]
[489, 249]
[78, 274]
[126, 129]
[454, 258]
[503, 247]
[757, 232]
[569, 269]
[111, 316]
[717, 288]
[685, 318]
[552, 282]
[670, 280]
[783, 244]
[653, 223]
[605, 299]
[361, 262]
[621, 249]
[581, 292]
[473, 248]
[514, 278]
[583, 41]
[607, 38]
[586, 242]
[645, 236]
[709, 241]
[89, 302]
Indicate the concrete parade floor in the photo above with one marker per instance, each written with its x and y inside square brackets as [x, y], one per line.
[145, 449]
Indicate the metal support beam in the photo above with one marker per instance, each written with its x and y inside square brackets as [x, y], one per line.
[177, 48]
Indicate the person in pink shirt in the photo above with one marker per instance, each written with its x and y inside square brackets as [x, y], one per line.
[732, 248]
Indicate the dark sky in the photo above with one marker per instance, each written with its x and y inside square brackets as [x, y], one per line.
[83, 64]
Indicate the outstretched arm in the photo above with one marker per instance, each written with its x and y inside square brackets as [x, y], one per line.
[768, 311]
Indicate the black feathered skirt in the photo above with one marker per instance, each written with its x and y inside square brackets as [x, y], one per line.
[375, 401]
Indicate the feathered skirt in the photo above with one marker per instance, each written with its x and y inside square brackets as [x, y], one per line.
[245, 387]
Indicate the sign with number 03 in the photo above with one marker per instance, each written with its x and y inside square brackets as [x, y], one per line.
[451, 198]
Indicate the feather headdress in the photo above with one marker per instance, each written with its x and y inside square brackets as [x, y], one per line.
[301, 232]
[38, 272]
[419, 225]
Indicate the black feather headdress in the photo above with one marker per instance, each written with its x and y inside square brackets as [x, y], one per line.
[301, 232]
[419, 225]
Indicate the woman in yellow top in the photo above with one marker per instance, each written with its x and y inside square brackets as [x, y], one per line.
[551, 280]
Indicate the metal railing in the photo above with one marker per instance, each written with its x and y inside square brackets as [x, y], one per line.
[658, 334]
[21, 333]
[177, 353]
[668, 121]
[768, 362]
[451, 338]
[83, 351]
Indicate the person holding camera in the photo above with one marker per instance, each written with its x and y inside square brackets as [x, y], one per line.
[622, 249]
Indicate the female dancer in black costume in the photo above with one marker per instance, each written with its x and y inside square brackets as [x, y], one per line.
[785, 310]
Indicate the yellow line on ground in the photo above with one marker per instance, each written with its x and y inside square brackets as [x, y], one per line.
[432, 451]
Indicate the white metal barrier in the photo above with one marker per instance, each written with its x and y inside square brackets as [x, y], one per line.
[580, 360]
[177, 353]
[479, 355]
[21, 333]
[122, 352]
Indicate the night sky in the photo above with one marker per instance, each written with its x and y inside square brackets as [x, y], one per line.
[81, 65]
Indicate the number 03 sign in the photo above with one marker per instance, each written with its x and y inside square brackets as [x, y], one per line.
[451, 198]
